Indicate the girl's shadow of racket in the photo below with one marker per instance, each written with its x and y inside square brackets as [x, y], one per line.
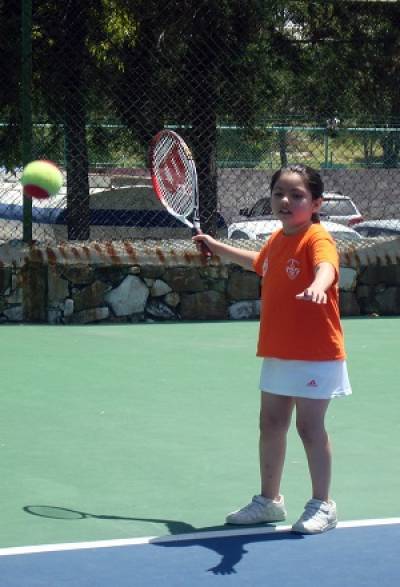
[230, 548]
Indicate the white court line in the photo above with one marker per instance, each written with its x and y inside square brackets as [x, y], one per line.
[42, 548]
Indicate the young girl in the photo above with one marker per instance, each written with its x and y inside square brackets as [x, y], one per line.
[301, 342]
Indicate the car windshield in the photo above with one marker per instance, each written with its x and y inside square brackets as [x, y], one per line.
[336, 207]
[261, 208]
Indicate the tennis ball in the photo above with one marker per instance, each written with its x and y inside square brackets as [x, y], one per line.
[41, 179]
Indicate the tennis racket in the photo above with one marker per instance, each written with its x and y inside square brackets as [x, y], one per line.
[174, 178]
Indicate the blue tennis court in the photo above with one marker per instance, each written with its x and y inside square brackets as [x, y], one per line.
[245, 557]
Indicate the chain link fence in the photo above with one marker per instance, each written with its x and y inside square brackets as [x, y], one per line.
[250, 86]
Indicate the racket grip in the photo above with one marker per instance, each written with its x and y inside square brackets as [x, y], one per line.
[205, 251]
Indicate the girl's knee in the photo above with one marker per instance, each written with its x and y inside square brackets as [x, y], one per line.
[311, 432]
[274, 423]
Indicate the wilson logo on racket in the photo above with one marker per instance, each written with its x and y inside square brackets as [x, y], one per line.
[172, 170]
[174, 178]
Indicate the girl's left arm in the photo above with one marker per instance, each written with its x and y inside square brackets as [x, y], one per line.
[325, 276]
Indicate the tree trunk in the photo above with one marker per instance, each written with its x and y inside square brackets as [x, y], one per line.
[76, 152]
[202, 65]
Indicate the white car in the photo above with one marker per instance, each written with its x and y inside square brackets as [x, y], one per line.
[339, 208]
[371, 228]
[262, 229]
[121, 206]
[335, 207]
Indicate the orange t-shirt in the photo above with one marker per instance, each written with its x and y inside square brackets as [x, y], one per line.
[290, 328]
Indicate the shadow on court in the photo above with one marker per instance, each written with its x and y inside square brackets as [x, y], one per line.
[231, 549]
[60, 513]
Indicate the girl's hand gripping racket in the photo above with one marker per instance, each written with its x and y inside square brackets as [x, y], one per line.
[174, 177]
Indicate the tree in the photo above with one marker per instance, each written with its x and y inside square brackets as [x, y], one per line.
[10, 71]
[194, 65]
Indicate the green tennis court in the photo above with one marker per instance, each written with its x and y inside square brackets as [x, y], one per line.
[152, 429]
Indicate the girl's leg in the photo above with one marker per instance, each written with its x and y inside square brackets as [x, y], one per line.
[275, 416]
[310, 423]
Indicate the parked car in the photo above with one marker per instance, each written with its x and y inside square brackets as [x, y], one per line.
[371, 228]
[335, 207]
[339, 208]
[262, 229]
[117, 211]
[260, 209]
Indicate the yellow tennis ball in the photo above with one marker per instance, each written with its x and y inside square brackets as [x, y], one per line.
[41, 179]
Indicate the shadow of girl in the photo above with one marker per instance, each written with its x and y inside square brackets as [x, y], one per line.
[229, 547]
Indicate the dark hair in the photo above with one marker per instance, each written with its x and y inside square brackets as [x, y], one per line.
[311, 177]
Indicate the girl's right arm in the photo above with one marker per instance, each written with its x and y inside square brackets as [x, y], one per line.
[241, 257]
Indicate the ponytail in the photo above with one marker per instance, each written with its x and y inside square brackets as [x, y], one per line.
[315, 218]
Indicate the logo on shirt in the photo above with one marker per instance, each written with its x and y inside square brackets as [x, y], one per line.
[312, 383]
[265, 266]
[292, 268]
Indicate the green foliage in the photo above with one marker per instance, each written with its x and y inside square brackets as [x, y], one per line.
[144, 64]
[10, 68]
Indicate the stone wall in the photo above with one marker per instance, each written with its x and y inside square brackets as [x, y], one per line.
[51, 290]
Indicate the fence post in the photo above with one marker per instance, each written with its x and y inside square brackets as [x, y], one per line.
[26, 106]
[326, 147]
[283, 146]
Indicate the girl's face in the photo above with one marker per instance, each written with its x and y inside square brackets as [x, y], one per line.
[292, 202]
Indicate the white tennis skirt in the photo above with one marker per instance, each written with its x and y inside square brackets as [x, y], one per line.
[310, 379]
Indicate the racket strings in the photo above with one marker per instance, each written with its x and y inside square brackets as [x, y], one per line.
[174, 172]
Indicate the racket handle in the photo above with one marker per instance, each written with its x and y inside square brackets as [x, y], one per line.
[205, 251]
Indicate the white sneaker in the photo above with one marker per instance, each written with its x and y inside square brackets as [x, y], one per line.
[318, 516]
[259, 510]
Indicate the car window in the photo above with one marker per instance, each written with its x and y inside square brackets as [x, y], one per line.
[337, 208]
[391, 232]
[261, 208]
[364, 231]
[345, 236]
[378, 231]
